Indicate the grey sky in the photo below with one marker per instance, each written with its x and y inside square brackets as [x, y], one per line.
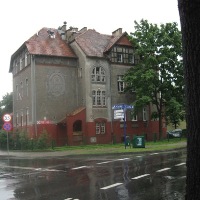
[21, 19]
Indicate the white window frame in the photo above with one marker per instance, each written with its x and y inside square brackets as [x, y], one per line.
[26, 86]
[98, 98]
[134, 117]
[98, 74]
[119, 57]
[120, 83]
[100, 128]
[27, 116]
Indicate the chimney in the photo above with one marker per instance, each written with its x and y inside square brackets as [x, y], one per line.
[64, 26]
[117, 32]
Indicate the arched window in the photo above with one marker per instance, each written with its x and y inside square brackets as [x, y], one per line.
[98, 74]
[77, 126]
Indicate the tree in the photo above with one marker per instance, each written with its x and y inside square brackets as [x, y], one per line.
[190, 26]
[158, 76]
[6, 106]
[174, 112]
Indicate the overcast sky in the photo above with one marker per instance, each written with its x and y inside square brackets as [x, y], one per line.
[21, 19]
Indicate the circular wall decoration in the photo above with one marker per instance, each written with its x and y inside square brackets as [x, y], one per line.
[56, 84]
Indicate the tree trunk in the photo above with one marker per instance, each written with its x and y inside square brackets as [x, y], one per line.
[190, 24]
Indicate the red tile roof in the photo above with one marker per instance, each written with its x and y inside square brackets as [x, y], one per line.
[42, 44]
[95, 44]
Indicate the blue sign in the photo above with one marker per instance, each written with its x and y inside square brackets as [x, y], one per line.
[122, 106]
[7, 126]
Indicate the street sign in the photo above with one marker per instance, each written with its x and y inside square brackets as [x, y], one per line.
[7, 118]
[118, 114]
[7, 126]
[122, 106]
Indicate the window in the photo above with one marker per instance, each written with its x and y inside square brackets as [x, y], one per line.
[130, 58]
[20, 64]
[144, 114]
[26, 86]
[21, 93]
[121, 84]
[119, 57]
[98, 74]
[98, 98]
[26, 59]
[100, 127]
[134, 117]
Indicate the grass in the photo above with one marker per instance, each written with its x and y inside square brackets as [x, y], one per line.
[120, 148]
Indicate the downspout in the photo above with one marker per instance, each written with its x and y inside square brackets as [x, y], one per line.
[33, 94]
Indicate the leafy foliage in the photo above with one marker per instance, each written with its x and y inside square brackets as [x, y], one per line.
[158, 76]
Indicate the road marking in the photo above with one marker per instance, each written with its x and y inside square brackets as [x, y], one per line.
[138, 156]
[105, 162]
[71, 199]
[123, 159]
[153, 154]
[165, 169]
[110, 186]
[180, 164]
[137, 177]
[79, 167]
[110, 161]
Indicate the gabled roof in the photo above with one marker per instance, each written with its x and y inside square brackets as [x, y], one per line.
[42, 44]
[95, 44]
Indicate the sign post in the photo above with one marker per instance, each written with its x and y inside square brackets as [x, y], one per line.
[119, 115]
[7, 126]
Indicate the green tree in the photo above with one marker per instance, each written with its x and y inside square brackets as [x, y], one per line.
[6, 106]
[174, 112]
[158, 76]
[190, 26]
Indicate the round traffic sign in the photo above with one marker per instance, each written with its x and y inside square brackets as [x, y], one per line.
[7, 126]
[7, 118]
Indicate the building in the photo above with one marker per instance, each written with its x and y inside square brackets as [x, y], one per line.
[66, 81]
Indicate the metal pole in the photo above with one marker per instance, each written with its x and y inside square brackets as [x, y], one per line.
[7, 144]
[125, 128]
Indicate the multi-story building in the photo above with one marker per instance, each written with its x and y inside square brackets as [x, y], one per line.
[66, 81]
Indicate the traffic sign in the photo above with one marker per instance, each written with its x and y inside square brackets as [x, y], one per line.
[122, 106]
[7, 126]
[7, 118]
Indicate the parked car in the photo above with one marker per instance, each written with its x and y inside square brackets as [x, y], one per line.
[176, 133]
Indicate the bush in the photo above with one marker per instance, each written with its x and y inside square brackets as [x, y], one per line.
[43, 141]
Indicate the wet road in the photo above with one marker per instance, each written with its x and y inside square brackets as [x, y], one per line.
[156, 176]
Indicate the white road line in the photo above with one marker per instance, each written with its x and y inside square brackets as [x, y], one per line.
[68, 199]
[153, 154]
[165, 169]
[123, 159]
[138, 156]
[110, 186]
[110, 161]
[105, 162]
[180, 164]
[137, 177]
[79, 167]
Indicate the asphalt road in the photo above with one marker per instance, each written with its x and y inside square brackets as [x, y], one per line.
[149, 176]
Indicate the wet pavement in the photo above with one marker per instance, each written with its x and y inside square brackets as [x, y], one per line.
[150, 176]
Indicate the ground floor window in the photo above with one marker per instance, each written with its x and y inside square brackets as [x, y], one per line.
[100, 127]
